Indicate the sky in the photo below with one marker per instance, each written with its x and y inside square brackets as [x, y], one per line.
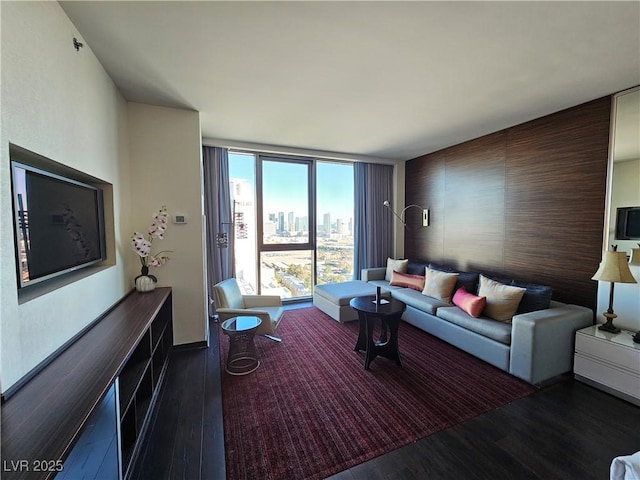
[286, 186]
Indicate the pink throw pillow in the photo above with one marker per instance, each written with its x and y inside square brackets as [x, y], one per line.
[399, 279]
[469, 303]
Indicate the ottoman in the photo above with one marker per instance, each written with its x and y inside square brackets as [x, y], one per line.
[333, 298]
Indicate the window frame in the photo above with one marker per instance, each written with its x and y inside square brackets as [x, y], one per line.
[311, 243]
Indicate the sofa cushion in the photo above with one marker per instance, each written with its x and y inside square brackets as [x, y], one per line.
[417, 300]
[395, 265]
[438, 284]
[383, 284]
[536, 297]
[341, 293]
[416, 268]
[502, 300]
[469, 303]
[468, 280]
[407, 280]
[487, 327]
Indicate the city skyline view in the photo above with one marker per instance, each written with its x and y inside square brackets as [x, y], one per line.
[335, 197]
[288, 272]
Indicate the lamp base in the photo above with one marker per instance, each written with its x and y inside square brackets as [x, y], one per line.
[608, 326]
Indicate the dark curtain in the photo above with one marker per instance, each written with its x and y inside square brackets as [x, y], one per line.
[218, 213]
[373, 227]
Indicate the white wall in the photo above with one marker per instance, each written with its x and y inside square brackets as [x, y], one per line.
[59, 103]
[166, 169]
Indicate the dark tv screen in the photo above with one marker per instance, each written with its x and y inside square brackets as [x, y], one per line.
[628, 223]
[59, 224]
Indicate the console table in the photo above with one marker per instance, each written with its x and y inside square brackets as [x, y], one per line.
[84, 414]
[609, 361]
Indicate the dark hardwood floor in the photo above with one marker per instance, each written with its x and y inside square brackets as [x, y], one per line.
[564, 431]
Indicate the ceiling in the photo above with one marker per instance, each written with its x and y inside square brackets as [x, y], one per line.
[393, 80]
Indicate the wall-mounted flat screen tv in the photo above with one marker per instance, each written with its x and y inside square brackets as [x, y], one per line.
[628, 223]
[58, 224]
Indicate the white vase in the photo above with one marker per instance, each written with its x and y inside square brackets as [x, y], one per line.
[145, 283]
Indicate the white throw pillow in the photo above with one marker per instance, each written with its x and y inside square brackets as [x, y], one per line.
[502, 300]
[439, 284]
[397, 265]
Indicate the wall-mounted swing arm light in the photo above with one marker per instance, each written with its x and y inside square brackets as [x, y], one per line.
[425, 213]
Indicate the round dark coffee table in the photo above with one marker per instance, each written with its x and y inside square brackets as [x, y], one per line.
[243, 357]
[389, 314]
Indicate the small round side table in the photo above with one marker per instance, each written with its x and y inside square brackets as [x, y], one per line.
[389, 311]
[243, 357]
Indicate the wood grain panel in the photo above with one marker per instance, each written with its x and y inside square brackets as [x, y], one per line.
[526, 202]
[474, 201]
[556, 182]
[427, 182]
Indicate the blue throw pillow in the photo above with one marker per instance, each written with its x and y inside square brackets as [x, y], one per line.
[537, 297]
[468, 280]
[416, 268]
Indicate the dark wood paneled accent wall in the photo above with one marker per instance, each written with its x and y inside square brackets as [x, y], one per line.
[527, 202]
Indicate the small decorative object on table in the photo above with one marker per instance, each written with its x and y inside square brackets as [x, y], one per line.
[142, 246]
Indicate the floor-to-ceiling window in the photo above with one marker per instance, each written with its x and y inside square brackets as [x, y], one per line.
[293, 222]
[334, 206]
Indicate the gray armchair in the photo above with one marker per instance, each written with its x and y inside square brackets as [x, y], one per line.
[230, 302]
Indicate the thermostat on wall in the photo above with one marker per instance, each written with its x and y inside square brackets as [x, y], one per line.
[179, 219]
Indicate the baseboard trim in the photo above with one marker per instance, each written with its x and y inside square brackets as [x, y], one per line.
[607, 389]
[191, 346]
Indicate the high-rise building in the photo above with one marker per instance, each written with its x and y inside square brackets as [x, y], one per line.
[302, 224]
[326, 223]
[241, 191]
[281, 226]
[244, 232]
[290, 222]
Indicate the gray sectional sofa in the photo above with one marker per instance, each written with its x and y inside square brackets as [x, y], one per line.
[536, 346]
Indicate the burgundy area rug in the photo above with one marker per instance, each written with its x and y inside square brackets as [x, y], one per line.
[311, 410]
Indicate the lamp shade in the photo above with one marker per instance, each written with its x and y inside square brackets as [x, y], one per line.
[635, 256]
[614, 268]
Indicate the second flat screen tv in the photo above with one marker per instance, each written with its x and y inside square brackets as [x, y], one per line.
[628, 223]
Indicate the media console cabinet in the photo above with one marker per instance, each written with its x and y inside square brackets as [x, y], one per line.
[84, 415]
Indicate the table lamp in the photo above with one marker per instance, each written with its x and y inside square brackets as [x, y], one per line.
[635, 260]
[614, 269]
[635, 256]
